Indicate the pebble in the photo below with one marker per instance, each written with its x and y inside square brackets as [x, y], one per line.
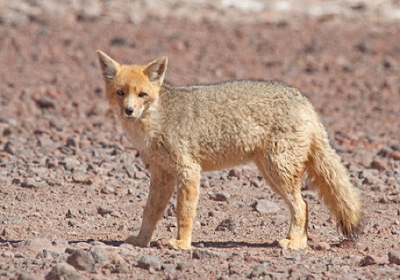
[226, 225]
[26, 276]
[148, 262]
[9, 148]
[130, 170]
[258, 270]
[69, 162]
[206, 254]
[235, 172]
[99, 254]
[107, 190]
[79, 173]
[367, 260]
[395, 155]
[104, 211]
[322, 246]
[81, 260]
[45, 102]
[222, 196]
[265, 206]
[379, 165]
[394, 257]
[184, 266]
[63, 271]
[31, 184]
[140, 175]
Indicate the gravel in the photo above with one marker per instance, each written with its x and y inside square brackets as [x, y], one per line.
[73, 187]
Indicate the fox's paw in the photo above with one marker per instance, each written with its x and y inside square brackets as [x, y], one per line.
[293, 244]
[179, 244]
[135, 241]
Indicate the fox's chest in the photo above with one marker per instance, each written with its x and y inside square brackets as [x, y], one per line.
[136, 135]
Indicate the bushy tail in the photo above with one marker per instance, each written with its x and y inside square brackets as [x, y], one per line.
[328, 175]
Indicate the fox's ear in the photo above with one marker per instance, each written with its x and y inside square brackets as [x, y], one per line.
[156, 70]
[109, 67]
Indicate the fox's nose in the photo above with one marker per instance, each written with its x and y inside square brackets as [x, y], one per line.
[129, 111]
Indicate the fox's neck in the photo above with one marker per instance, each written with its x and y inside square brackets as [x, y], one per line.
[142, 131]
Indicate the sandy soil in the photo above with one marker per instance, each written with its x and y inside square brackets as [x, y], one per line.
[73, 187]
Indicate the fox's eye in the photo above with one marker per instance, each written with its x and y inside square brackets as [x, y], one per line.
[120, 93]
[142, 94]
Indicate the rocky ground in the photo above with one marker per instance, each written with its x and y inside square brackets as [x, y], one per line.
[73, 187]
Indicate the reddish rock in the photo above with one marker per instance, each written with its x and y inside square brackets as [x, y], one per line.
[379, 165]
[395, 155]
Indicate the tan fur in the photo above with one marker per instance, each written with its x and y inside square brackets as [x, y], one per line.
[181, 131]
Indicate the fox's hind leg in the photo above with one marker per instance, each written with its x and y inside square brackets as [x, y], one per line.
[161, 189]
[285, 180]
[188, 196]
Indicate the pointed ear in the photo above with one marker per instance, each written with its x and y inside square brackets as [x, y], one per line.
[156, 70]
[109, 67]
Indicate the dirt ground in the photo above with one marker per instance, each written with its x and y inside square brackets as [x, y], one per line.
[73, 187]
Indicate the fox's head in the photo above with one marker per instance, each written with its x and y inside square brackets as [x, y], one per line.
[132, 89]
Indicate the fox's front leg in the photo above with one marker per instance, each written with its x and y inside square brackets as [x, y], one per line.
[161, 189]
[188, 197]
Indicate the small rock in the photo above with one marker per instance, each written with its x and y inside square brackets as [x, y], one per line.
[365, 158]
[71, 214]
[9, 148]
[58, 124]
[99, 254]
[130, 170]
[394, 257]
[234, 173]
[347, 244]
[219, 196]
[45, 102]
[140, 175]
[265, 206]
[31, 184]
[103, 211]
[363, 47]
[148, 262]
[79, 173]
[367, 260]
[206, 254]
[117, 260]
[81, 260]
[322, 246]
[118, 41]
[234, 268]
[26, 276]
[256, 182]
[226, 224]
[204, 182]
[395, 155]
[63, 271]
[69, 162]
[379, 165]
[258, 270]
[183, 266]
[107, 190]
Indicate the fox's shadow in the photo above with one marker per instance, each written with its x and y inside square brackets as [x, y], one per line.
[233, 244]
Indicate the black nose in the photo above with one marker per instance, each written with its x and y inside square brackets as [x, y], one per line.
[129, 111]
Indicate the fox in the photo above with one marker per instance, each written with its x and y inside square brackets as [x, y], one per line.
[181, 131]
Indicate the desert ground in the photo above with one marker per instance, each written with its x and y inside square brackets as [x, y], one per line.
[73, 187]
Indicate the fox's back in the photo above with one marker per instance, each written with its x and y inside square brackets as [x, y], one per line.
[230, 120]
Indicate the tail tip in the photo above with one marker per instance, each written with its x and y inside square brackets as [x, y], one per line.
[353, 231]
